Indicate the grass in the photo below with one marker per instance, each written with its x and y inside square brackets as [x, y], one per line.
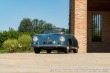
[3, 51]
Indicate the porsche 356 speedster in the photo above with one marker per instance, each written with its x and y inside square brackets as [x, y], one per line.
[54, 39]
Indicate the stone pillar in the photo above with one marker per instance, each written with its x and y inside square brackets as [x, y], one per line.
[78, 20]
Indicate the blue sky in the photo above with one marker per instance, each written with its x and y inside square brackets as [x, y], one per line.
[52, 11]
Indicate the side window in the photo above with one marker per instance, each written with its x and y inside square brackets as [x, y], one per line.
[97, 28]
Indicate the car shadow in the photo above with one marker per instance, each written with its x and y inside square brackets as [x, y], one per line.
[52, 53]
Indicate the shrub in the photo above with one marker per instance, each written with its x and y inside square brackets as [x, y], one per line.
[10, 45]
[11, 34]
[3, 37]
[24, 43]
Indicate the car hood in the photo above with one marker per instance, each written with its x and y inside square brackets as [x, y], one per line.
[50, 36]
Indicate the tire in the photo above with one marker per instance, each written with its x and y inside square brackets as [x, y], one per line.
[75, 50]
[49, 51]
[66, 50]
[37, 50]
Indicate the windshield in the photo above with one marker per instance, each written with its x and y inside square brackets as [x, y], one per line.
[55, 30]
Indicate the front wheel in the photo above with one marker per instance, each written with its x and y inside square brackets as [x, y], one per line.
[75, 50]
[66, 50]
[37, 50]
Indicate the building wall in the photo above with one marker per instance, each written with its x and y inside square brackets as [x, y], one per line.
[81, 27]
[78, 21]
[103, 46]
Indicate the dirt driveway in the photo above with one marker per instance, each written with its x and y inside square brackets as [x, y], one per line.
[55, 63]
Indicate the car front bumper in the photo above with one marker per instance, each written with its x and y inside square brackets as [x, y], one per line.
[53, 46]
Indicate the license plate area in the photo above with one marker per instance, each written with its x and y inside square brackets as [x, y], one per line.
[47, 42]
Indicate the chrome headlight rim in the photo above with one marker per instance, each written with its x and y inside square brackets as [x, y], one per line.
[35, 38]
[62, 38]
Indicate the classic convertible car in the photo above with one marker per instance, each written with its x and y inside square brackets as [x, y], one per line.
[54, 39]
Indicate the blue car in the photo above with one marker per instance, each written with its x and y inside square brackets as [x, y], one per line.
[54, 39]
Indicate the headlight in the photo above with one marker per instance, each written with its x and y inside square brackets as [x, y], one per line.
[35, 38]
[62, 38]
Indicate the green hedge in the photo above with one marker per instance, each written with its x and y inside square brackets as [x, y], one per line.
[22, 44]
[10, 45]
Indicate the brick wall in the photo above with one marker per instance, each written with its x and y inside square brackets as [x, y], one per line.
[78, 20]
[103, 46]
[81, 27]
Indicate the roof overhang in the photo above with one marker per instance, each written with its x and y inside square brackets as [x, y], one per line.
[98, 5]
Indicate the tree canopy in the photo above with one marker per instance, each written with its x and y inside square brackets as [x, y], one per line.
[38, 26]
[25, 25]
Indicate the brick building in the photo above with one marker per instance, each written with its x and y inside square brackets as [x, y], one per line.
[90, 24]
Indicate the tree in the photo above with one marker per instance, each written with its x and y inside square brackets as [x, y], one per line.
[40, 25]
[13, 34]
[25, 25]
[63, 30]
[35, 24]
[3, 37]
[67, 31]
[49, 25]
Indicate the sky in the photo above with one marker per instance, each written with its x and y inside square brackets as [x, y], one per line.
[51, 11]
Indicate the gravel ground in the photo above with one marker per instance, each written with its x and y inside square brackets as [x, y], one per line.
[55, 63]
